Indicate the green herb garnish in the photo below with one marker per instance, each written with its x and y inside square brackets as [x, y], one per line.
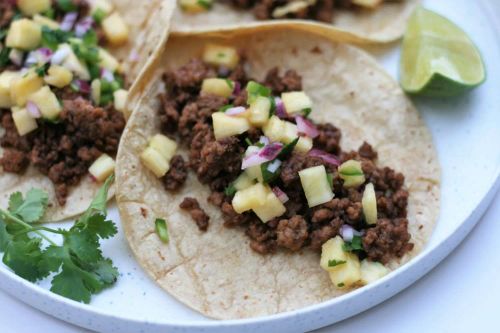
[52, 38]
[99, 15]
[4, 56]
[329, 177]
[255, 90]
[225, 108]
[288, 149]
[229, 83]
[207, 4]
[79, 266]
[248, 141]
[334, 262]
[355, 245]
[50, 13]
[66, 5]
[230, 190]
[90, 38]
[306, 112]
[341, 284]
[3, 33]
[162, 230]
[268, 176]
[42, 70]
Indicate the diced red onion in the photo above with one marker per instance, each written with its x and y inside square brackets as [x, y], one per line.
[280, 110]
[83, 26]
[347, 232]
[68, 21]
[237, 88]
[59, 56]
[306, 127]
[107, 75]
[328, 158]
[274, 165]
[134, 56]
[280, 194]
[264, 140]
[31, 59]
[33, 110]
[82, 86]
[40, 56]
[235, 111]
[45, 52]
[16, 57]
[266, 154]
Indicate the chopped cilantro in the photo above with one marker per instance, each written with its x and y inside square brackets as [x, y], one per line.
[230, 190]
[306, 112]
[4, 56]
[89, 54]
[329, 178]
[229, 83]
[40, 71]
[248, 141]
[162, 230]
[66, 5]
[288, 148]
[79, 267]
[255, 90]
[341, 284]
[334, 262]
[355, 245]
[272, 111]
[94, 70]
[225, 108]
[90, 38]
[268, 176]
[221, 55]
[3, 33]
[99, 15]
[52, 38]
[207, 4]
[106, 99]
[50, 13]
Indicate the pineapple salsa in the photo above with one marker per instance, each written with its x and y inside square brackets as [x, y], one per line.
[61, 91]
[273, 172]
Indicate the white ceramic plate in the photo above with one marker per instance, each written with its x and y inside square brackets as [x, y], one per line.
[467, 134]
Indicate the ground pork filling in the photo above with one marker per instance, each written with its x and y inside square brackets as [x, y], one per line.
[63, 149]
[186, 117]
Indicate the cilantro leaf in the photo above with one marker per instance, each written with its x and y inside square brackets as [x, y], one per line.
[355, 245]
[74, 283]
[84, 245]
[230, 190]
[32, 208]
[268, 176]
[288, 149]
[255, 90]
[98, 204]
[5, 237]
[334, 262]
[107, 273]
[52, 38]
[4, 56]
[23, 258]
[98, 225]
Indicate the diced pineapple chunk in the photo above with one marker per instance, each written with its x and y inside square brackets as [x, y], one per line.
[316, 186]
[47, 103]
[195, 6]
[296, 101]
[103, 5]
[253, 172]
[219, 87]
[24, 34]
[259, 111]
[304, 144]
[274, 128]
[352, 173]
[31, 7]
[367, 3]
[72, 63]
[249, 198]
[6, 79]
[271, 208]
[332, 254]
[290, 132]
[243, 181]
[58, 76]
[102, 168]
[369, 203]
[225, 125]
[220, 55]
[164, 145]
[95, 91]
[23, 86]
[371, 271]
[120, 99]
[348, 274]
[44, 21]
[107, 61]
[115, 29]
[23, 121]
[155, 162]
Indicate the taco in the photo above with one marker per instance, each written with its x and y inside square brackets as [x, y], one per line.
[65, 71]
[358, 21]
[265, 171]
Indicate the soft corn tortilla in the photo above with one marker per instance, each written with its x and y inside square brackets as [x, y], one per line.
[383, 24]
[216, 272]
[148, 26]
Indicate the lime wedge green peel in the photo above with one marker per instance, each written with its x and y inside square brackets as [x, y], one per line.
[438, 58]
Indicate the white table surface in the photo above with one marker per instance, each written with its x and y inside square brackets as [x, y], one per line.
[461, 295]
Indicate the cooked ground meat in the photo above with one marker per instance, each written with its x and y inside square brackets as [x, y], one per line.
[387, 239]
[197, 213]
[7, 12]
[218, 163]
[64, 150]
[176, 175]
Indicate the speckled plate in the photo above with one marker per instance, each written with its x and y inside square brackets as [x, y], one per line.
[467, 135]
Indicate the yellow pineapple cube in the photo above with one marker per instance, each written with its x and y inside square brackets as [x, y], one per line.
[332, 254]
[47, 103]
[271, 208]
[220, 55]
[274, 128]
[23, 86]
[120, 99]
[225, 126]
[296, 101]
[95, 91]
[249, 198]
[102, 168]
[346, 275]
[6, 79]
[24, 34]
[155, 162]
[289, 133]
[259, 111]
[316, 186]
[372, 271]
[106, 60]
[103, 5]
[164, 145]
[243, 181]
[58, 76]
[253, 172]
[304, 144]
[31, 7]
[44, 21]
[195, 6]
[115, 29]
[23, 121]
[219, 87]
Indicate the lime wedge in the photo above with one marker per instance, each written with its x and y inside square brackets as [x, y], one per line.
[438, 58]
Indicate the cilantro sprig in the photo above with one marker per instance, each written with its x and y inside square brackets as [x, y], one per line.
[355, 245]
[78, 265]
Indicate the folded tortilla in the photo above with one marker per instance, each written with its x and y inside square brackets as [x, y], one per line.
[216, 272]
[148, 25]
[383, 24]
